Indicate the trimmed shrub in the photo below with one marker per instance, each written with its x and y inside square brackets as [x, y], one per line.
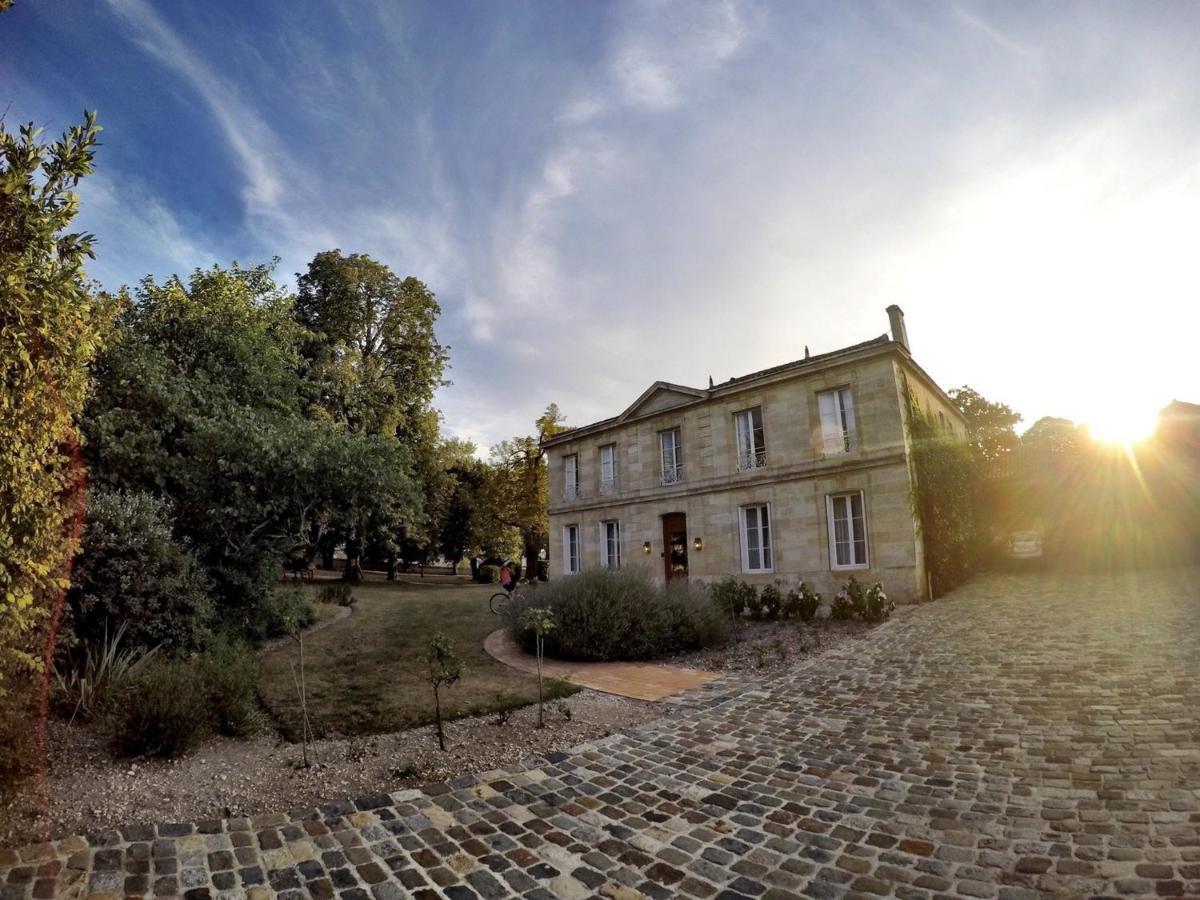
[131, 574]
[604, 614]
[163, 711]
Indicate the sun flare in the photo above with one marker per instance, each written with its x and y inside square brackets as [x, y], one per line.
[1123, 426]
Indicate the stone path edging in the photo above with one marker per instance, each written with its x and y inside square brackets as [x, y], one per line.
[638, 681]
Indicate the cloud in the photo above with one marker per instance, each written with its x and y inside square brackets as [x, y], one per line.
[259, 154]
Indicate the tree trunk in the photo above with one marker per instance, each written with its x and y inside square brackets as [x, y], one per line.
[437, 712]
[541, 716]
[391, 570]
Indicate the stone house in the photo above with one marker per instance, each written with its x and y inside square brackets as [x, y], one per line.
[800, 471]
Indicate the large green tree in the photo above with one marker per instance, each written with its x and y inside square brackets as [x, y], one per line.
[51, 325]
[201, 398]
[990, 426]
[374, 353]
[517, 492]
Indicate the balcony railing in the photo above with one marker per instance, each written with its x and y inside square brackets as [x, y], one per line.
[841, 443]
[751, 459]
[673, 475]
[608, 486]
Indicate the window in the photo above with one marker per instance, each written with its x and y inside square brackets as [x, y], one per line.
[751, 450]
[847, 531]
[570, 549]
[570, 477]
[756, 539]
[608, 469]
[672, 456]
[942, 421]
[610, 545]
[837, 421]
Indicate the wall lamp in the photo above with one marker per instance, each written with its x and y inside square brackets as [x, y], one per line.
[698, 544]
[646, 547]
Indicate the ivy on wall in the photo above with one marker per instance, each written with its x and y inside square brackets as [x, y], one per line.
[945, 489]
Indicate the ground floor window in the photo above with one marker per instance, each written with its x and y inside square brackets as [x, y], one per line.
[847, 531]
[756, 538]
[610, 544]
[571, 549]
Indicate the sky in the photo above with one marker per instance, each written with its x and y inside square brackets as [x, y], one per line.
[603, 195]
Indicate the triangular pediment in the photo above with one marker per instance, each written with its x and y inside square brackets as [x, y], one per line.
[659, 396]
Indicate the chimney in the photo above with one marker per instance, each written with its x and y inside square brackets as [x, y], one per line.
[896, 318]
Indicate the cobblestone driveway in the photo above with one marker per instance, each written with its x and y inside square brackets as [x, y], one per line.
[1026, 735]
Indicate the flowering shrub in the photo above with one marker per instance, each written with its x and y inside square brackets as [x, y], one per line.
[734, 597]
[877, 605]
[802, 603]
[849, 602]
[770, 602]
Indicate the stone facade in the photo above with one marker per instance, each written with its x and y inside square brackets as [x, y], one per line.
[794, 472]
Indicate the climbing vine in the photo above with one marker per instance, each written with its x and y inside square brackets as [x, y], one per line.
[945, 479]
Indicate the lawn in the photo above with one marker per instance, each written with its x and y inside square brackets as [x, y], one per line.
[364, 676]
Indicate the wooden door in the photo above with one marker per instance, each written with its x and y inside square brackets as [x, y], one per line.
[675, 555]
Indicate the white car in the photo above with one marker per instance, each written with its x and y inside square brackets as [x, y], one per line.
[1024, 545]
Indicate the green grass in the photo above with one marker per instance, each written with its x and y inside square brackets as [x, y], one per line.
[363, 674]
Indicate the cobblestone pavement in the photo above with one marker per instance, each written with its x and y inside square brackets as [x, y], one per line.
[1029, 734]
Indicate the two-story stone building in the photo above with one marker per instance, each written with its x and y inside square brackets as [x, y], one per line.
[798, 471]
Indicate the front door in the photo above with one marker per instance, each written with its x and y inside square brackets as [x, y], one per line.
[675, 545]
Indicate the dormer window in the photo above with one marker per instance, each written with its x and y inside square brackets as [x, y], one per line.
[751, 448]
[839, 433]
[672, 456]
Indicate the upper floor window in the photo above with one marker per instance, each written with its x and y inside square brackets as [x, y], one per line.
[847, 531]
[570, 549]
[608, 469]
[751, 448]
[756, 538]
[570, 477]
[610, 544]
[838, 431]
[672, 456]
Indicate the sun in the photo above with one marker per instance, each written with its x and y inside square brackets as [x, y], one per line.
[1122, 426]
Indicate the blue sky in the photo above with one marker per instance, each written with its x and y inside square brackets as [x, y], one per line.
[606, 194]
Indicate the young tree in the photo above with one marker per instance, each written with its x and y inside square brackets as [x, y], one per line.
[442, 669]
[990, 426]
[517, 491]
[51, 325]
[540, 622]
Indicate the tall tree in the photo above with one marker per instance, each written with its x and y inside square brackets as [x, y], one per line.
[990, 426]
[517, 492]
[51, 325]
[374, 354]
[1055, 435]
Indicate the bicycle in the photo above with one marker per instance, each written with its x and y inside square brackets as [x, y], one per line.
[499, 601]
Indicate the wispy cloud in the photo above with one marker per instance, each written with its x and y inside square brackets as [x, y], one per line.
[259, 153]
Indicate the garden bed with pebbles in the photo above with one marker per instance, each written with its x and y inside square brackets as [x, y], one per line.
[758, 645]
[90, 791]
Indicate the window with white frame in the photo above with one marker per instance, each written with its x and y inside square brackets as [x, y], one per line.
[570, 477]
[672, 456]
[847, 531]
[570, 549]
[608, 469]
[838, 431]
[757, 555]
[751, 448]
[610, 544]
